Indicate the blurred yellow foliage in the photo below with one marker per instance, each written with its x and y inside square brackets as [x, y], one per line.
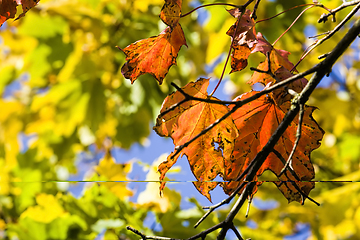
[47, 209]
[113, 176]
[143, 5]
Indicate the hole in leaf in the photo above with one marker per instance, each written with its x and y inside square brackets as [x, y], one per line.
[258, 86]
[217, 147]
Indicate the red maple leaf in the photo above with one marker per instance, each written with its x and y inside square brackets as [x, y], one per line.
[154, 55]
[256, 122]
[188, 120]
[8, 8]
[278, 59]
[243, 37]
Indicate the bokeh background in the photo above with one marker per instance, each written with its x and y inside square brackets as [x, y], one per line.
[78, 156]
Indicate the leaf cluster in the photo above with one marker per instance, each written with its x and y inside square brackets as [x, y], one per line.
[66, 109]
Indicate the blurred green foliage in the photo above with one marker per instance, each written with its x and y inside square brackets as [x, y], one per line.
[62, 87]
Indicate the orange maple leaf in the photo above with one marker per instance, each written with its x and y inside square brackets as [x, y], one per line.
[8, 8]
[154, 55]
[256, 122]
[170, 12]
[244, 39]
[188, 120]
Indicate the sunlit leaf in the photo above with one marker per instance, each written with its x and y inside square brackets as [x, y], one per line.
[256, 122]
[210, 152]
[154, 55]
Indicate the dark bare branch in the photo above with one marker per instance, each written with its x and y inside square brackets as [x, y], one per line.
[253, 14]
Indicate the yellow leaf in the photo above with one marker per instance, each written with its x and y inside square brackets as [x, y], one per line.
[109, 170]
[58, 93]
[47, 210]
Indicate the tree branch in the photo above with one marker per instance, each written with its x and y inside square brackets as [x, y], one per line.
[253, 14]
[228, 222]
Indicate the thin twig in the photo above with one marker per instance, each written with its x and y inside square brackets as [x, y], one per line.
[144, 237]
[330, 34]
[235, 209]
[248, 208]
[223, 202]
[242, 7]
[324, 17]
[229, 53]
[288, 163]
[268, 71]
[320, 34]
[236, 232]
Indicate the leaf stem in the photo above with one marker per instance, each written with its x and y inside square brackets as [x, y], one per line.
[229, 53]
[219, 4]
[297, 18]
